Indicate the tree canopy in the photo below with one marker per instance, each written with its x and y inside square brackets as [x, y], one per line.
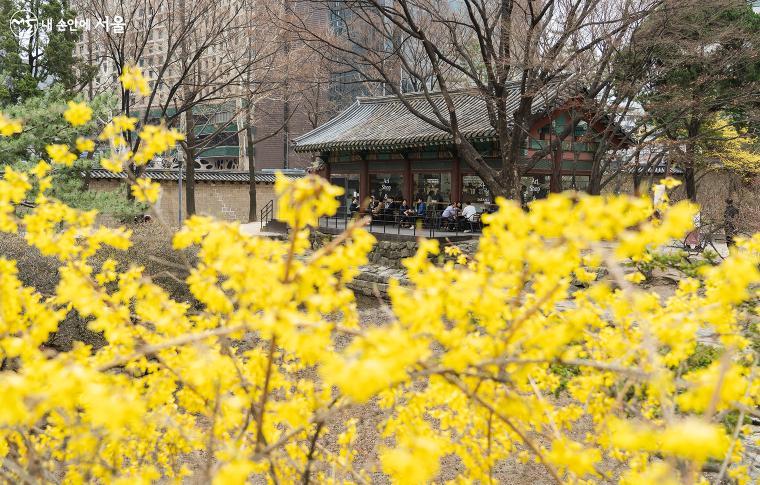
[37, 57]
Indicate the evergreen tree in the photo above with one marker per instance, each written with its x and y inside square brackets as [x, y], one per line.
[44, 125]
[37, 57]
[701, 60]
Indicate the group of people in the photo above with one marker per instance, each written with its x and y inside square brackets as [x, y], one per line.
[454, 216]
[387, 209]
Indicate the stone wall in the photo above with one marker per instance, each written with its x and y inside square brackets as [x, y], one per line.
[390, 253]
[223, 200]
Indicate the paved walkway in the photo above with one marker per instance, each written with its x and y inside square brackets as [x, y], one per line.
[254, 229]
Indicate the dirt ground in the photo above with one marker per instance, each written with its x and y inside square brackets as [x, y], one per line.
[374, 311]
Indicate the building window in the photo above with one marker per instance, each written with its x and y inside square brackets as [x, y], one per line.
[350, 183]
[475, 191]
[382, 185]
[543, 132]
[432, 187]
[575, 182]
[534, 188]
[581, 129]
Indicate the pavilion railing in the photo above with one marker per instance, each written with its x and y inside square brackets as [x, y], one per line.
[431, 225]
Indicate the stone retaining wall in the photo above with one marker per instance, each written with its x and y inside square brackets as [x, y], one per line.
[390, 253]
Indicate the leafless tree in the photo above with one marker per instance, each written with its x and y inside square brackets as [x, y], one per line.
[196, 55]
[509, 51]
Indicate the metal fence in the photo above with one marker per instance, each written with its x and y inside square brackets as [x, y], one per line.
[431, 225]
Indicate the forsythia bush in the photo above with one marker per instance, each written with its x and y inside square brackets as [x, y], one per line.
[251, 379]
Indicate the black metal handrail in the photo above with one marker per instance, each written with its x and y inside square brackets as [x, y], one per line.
[267, 213]
[391, 223]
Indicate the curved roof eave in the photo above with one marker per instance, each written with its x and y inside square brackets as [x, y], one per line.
[392, 144]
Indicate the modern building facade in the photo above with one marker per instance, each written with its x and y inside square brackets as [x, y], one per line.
[145, 41]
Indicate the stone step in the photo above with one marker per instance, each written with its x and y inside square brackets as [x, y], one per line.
[373, 279]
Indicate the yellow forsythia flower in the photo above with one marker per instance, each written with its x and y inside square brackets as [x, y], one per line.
[85, 145]
[8, 126]
[61, 154]
[146, 191]
[132, 80]
[77, 113]
[680, 439]
[112, 165]
[41, 169]
[116, 126]
[416, 462]
[670, 182]
[155, 140]
[575, 457]
[301, 201]
[452, 251]
[636, 277]
[261, 363]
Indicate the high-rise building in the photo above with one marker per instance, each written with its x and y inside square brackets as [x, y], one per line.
[297, 99]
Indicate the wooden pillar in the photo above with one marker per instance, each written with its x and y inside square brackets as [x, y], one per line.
[364, 180]
[456, 181]
[408, 185]
[326, 165]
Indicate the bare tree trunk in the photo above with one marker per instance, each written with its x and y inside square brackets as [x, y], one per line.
[512, 182]
[689, 178]
[474, 159]
[189, 147]
[637, 182]
[511, 156]
[286, 132]
[595, 179]
[286, 102]
[189, 144]
[690, 182]
[252, 209]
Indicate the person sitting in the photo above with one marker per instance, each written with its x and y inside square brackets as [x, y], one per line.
[406, 214]
[449, 216]
[421, 207]
[354, 207]
[389, 208]
[419, 211]
[375, 207]
[468, 215]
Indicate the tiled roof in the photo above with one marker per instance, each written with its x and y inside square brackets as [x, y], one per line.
[382, 123]
[200, 175]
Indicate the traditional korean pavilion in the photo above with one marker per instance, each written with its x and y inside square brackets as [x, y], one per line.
[379, 147]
